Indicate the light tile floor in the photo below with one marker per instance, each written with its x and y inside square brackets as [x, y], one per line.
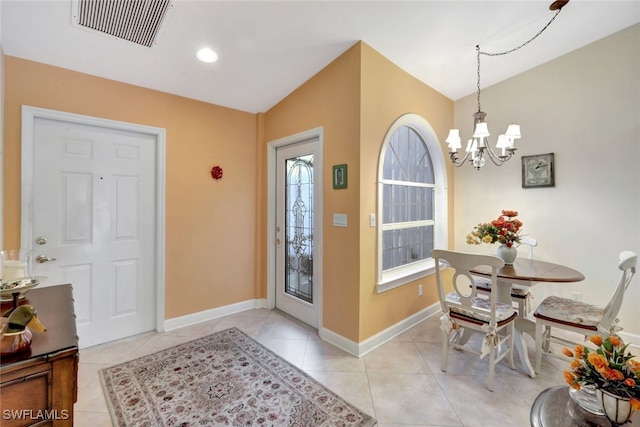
[400, 383]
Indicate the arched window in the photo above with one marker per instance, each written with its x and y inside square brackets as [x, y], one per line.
[412, 202]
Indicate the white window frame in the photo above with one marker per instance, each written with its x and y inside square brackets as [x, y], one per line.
[393, 278]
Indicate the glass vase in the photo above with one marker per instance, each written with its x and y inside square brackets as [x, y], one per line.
[586, 398]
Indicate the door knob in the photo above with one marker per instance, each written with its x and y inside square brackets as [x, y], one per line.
[43, 258]
[41, 240]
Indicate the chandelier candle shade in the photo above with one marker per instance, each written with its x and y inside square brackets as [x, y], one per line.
[478, 148]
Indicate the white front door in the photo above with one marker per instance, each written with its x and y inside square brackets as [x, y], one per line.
[297, 290]
[94, 223]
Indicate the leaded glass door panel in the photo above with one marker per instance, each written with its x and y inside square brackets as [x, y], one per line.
[295, 292]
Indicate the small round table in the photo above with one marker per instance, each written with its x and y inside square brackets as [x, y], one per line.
[555, 408]
[527, 272]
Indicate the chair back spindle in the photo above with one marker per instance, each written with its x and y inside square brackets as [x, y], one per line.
[580, 317]
[627, 264]
[464, 310]
[529, 242]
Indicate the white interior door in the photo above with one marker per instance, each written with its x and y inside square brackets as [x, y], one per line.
[94, 217]
[297, 290]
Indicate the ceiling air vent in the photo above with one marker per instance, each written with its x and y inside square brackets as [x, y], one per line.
[137, 21]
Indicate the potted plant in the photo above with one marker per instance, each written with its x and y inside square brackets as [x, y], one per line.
[504, 230]
[612, 371]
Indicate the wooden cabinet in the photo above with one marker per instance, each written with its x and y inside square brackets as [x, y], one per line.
[40, 386]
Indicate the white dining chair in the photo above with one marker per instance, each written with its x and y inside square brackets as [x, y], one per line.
[520, 295]
[464, 310]
[580, 317]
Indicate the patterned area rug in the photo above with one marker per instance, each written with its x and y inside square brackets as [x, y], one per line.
[224, 379]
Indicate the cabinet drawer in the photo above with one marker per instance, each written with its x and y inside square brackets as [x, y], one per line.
[24, 399]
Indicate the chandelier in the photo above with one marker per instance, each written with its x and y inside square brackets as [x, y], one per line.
[478, 148]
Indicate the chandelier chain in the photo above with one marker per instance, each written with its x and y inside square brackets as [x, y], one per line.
[523, 44]
[479, 52]
[478, 55]
[478, 148]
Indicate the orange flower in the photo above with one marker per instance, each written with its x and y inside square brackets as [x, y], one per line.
[608, 367]
[598, 361]
[579, 351]
[570, 378]
[505, 229]
[613, 374]
[567, 352]
[615, 341]
[596, 339]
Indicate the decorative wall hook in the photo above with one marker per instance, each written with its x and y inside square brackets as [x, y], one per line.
[216, 172]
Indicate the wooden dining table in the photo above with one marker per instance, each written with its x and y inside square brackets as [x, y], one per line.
[527, 272]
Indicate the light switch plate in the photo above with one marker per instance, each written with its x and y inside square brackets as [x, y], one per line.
[339, 220]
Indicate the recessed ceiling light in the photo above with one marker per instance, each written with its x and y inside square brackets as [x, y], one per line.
[207, 55]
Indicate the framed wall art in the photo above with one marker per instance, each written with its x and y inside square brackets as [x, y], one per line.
[538, 171]
[340, 176]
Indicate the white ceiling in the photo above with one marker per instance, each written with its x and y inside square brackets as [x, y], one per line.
[269, 48]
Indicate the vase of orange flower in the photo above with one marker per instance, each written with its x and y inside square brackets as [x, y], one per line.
[612, 371]
[505, 230]
[507, 253]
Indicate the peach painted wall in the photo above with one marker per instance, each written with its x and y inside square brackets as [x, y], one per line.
[330, 99]
[388, 92]
[357, 98]
[215, 230]
[210, 226]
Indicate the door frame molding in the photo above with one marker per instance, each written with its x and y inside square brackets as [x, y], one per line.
[29, 116]
[272, 147]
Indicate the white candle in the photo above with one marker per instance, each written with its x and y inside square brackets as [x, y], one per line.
[13, 269]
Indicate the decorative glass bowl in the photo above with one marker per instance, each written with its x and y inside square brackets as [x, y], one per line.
[586, 398]
[22, 285]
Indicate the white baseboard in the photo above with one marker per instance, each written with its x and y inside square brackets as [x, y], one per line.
[632, 339]
[351, 347]
[364, 347]
[214, 313]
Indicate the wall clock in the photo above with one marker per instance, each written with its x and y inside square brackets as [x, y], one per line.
[538, 171]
